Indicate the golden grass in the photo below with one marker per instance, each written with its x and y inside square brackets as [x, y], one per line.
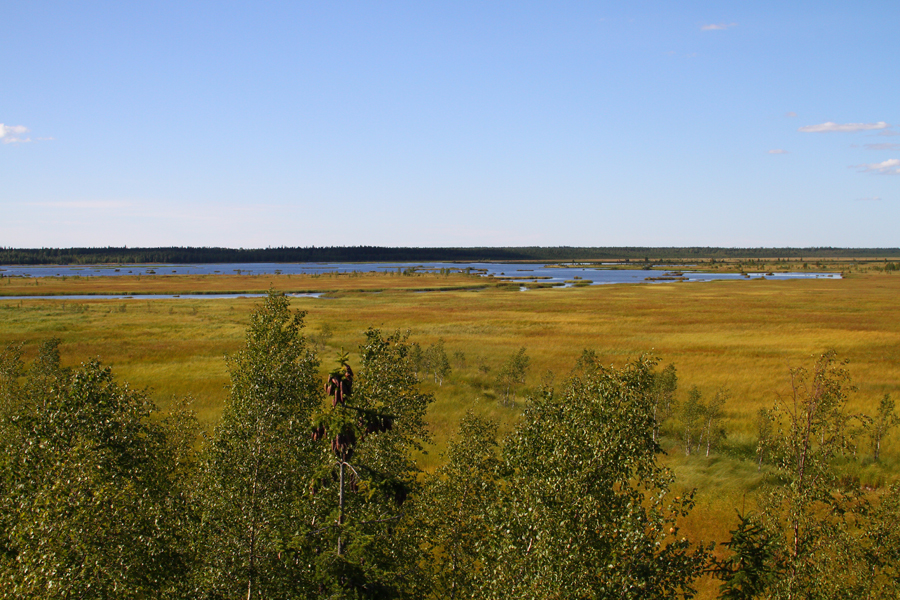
[743, 335]
[232, 284]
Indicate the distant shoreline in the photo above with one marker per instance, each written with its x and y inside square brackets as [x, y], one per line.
[361, 254]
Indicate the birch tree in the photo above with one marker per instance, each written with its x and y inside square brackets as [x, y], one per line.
[259, 462]
[814, 527]
[93, 505]
[512, 374]
[585, 510]
[884, 420]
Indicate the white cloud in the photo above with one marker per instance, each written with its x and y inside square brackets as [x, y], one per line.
[887, 167]
[790, 114]
[11, 134]
[778, 151]
[869, 199]
[889, 132]
[845, 127]
[883, 146]
[717, 26]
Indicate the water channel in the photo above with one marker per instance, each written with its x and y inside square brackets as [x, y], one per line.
[560, 275]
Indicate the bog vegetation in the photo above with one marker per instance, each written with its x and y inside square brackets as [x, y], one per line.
[568, 478]
[482, 358]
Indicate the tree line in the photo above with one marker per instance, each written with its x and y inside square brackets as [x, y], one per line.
[192, 255]
[307, 490]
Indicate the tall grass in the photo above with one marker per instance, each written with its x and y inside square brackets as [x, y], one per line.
[743, 335]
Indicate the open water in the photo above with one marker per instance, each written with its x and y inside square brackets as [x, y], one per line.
[556, 274]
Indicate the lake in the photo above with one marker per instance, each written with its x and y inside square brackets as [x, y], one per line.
[557, 274]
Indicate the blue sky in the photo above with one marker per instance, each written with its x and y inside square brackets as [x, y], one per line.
[385, 123]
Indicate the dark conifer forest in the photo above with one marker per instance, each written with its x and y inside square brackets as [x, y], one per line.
[173, 255]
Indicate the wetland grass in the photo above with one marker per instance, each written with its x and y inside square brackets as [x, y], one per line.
[742, 335]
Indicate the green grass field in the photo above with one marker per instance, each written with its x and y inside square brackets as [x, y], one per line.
[743, 335]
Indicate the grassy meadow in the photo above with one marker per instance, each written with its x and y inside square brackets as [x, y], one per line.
[742, 335]
[230, 284]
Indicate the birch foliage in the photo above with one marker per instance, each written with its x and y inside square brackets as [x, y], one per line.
[258, 463]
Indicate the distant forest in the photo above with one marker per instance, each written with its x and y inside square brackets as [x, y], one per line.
[173, 255]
